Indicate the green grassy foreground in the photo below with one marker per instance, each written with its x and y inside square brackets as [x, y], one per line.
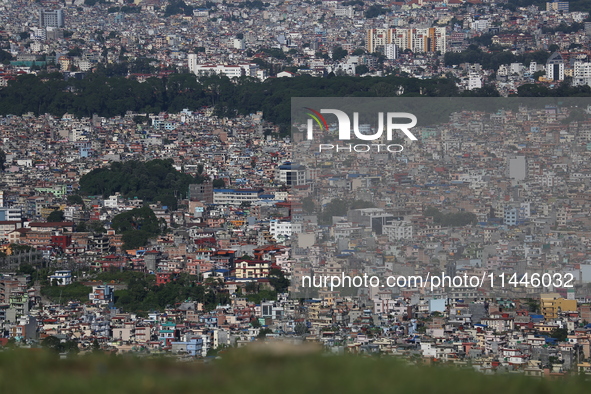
[255, 372]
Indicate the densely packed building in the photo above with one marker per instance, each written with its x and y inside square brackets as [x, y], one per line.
[522, 173]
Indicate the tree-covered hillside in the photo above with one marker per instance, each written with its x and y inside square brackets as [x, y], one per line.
[111, 96]
[151, 181]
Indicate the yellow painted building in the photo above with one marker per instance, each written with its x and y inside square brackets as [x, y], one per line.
[552, 304]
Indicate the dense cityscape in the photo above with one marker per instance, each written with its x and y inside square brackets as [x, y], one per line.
[158, 199]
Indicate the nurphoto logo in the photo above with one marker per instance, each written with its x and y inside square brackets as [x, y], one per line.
[390, 119]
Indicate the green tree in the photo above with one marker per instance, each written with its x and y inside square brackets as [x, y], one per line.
[561, 334]
[17, 248]
[138, 119]
[26, 269]
[55, 344]
[337, 207]
[374, 11]
[538, 74]
[95, 347]
[218, 183]
[263, 332]
[301, 329]
[56, 216]
[96, 227]
[70, 347]
[251, 287]
[5, 57]
[75, 199]
[339, 53]
[52, 343]
[72, 292]
[533, 90]
[361, 69]
[135, 239]
[137, 219]
[278, 280]
[178, 7]
[308, 205]
[138, 226]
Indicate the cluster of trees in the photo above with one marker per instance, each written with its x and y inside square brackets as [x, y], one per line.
[353, 2]
[142, 65]
[75, 199]
[151, 181]
[254, 293]
[16, 249]
[138, 226]
[493, 59]
[258, 295]
[375, 10]
[56, 215]
[560, 334]
[278, 280]
[564, 28]
[5, 56]
[255, 4]
[75, 291]
[533, 305]
[96, 94]
[563, 90]
[143, 296]
[274, 52]
[339, 53]
[55, 344]
[457, 219]
[580, 5]
[125, 9]
[94, 2]
[93, 226]
[484, 39]
[178, 7]
[112, 96]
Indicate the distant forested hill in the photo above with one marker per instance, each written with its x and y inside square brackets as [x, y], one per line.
[115, 95]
